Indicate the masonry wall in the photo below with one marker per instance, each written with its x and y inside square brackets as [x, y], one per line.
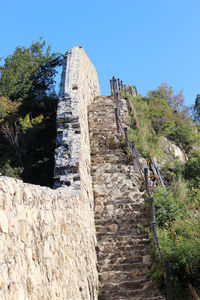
[47, 247]
[79, 86]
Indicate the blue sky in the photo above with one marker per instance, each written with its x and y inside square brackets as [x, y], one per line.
[143, 42]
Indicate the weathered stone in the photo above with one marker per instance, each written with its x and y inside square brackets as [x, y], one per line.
[172, 151]
[1, 282]
[78, 88]
[3, 221]
[23, 232]
[146, 259]
[113, 227]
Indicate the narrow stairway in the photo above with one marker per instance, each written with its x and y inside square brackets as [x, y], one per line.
[123, 245]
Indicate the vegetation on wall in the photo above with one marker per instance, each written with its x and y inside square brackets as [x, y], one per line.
[28, 104]
[163, 114]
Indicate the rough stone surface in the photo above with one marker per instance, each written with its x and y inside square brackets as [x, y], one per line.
[172, 151]
[79, 86]
[47, 248]
[120, 216]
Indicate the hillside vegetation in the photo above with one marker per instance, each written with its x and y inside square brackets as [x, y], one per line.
[159, 117]
[28, 113]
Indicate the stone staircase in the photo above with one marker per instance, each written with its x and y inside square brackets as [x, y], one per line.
[120, 217]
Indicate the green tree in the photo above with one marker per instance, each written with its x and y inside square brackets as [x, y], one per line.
[196, 110]
[27, 111]
[29, 72]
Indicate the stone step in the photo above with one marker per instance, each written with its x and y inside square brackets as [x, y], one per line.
[113, 159]
[120, 218]
[112, 253]
[108, 159]
[124, 205]
[137, 293]
[120, 240]
[103, 233]
[122, 260]
[143, 222]
[135, 231]
[118, 276]
[124, 256]
[123, 245]
[118, 215]
[114, 231]
[109, 297]
[122, 267]
[133, 294]
[127, 285]
[103, 254]
[131, 198]
[131, 222]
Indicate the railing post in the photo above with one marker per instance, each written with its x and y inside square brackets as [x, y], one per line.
[117, 103]
[114, 89]
[146, 177]
[126, 137]
[131, 91]
[118, 81]
[111, 87]
[117, 120]
[152, 205]
[168, 280]
[158, 172]
[115, 83]
[135, 166]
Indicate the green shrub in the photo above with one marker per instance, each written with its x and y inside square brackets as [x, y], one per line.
[157, 117]
[8, 170]
[172, 170]
[179, 234]
[184, 134]
[192, 168]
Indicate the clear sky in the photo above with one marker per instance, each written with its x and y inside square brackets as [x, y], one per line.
[143, 42]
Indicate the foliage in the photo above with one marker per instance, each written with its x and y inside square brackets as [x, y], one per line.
[184, 133]
[162, 113]
[196, 110]
[172, 170]
[27, 112]
[176, 101]
[192, 169]
[8, 109]
[8, 170]
[179, 233]
[29, 72]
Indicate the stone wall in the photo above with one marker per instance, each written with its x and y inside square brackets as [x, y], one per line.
[47, 248]
[79, 86]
